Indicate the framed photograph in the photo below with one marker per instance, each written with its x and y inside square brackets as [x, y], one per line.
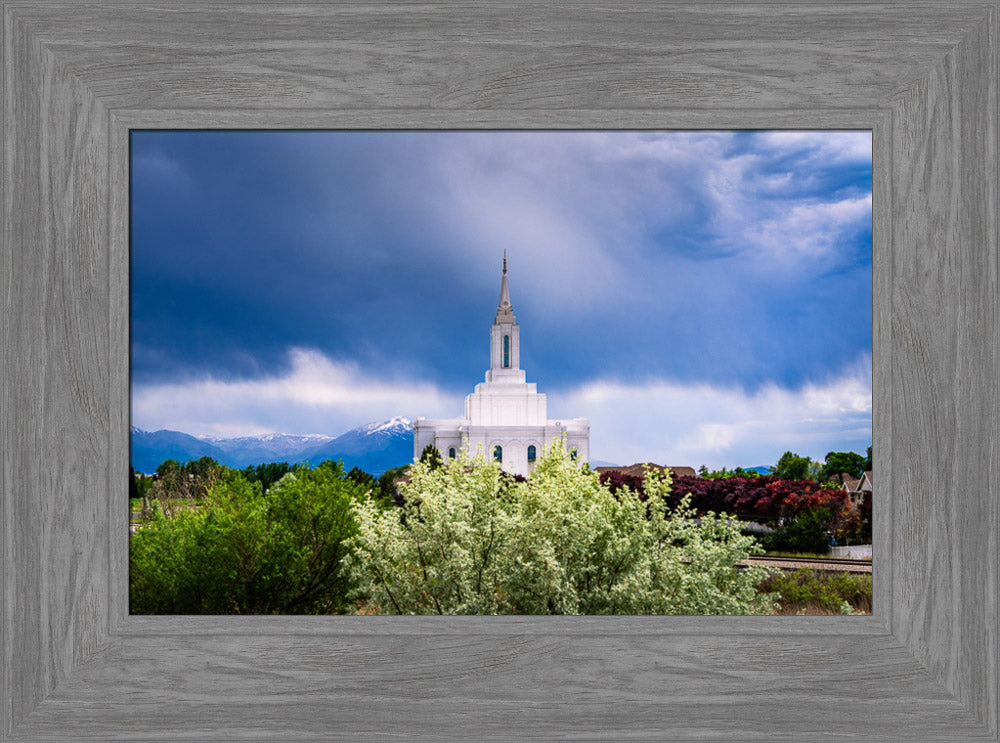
[311, 311]
[78, 80]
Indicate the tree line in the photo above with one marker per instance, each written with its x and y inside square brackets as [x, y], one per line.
[792, 466]
[462, 536]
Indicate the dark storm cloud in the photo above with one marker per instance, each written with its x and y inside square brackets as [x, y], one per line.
[738, 260]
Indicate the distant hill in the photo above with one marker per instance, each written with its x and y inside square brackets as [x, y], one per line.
[149, 449]
[594, 463]
[374, 447]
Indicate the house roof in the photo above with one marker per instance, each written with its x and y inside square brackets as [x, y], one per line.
[851, 485]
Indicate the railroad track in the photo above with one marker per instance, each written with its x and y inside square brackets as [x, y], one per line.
[826, 564]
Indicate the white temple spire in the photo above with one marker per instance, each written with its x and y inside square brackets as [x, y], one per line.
[506, 418]
[505, 313]
[504, 289]
[505, 337]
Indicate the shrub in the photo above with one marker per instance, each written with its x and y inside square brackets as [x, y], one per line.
[243, 552]
[766, 499]
[806, 533]
[468, 539]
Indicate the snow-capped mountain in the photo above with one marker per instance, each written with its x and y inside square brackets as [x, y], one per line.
[393, 427]
[374, 447]
[246, 450]
[150, 448]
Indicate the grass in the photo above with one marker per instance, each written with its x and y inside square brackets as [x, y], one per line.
[810, 592]
[780, 553]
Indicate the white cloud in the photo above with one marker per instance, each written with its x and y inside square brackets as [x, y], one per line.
[832, 146]
[809, 229]
[657, 421]
[700, 424]
[593, 212]
[317, 395]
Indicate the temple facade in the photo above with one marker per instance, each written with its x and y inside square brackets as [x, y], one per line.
[505, 416]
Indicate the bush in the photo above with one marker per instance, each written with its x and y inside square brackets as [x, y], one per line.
[469, 540]
[806, 533]
[243, 552]
[762, 498]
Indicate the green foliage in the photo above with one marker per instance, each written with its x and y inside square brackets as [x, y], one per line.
[267, 474]
[386, 484]
[724, 473]
[239, 551]
[138, 484]
[842, 461]
[468, 540]
[431, 457]
[807, 533]
[362, 478]
[201, 469]
[168, 467]
[805, 589]
[793, 467]
[178, 482]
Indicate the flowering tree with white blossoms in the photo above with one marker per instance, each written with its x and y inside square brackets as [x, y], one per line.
[469, 539]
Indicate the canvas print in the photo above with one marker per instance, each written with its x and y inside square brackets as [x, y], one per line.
[500, 372]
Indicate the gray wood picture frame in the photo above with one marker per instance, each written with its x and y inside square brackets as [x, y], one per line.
[76, 77]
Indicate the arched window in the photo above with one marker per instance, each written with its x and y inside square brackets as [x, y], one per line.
[531, 453]
[498, 453]
[451, 453]
[506, 352]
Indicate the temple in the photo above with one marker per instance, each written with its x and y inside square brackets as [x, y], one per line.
[505, 416]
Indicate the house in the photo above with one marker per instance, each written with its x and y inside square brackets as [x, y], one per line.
[857, 489]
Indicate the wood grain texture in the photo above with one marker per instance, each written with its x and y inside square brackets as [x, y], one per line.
[76, 77]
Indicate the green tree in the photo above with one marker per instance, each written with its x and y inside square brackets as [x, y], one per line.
[838, 462]
[201, 475]
[267, 473]
[793, 467]
[176, 484]
[866, 466]
[387, 483]
[808, 532]
[202, 468]
[468, 540]
[362, 478]
[168, 470]
[240, 551]
[431, 457]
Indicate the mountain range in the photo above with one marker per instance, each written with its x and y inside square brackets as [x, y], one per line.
[374, 447]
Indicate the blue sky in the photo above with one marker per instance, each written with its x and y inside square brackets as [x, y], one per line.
[702, 297]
